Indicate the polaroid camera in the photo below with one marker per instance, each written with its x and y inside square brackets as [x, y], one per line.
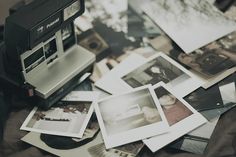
[41, 55]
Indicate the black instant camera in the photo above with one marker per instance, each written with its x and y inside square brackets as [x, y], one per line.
[41, 56]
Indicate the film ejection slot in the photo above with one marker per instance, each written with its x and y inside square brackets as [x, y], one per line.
[49, 50]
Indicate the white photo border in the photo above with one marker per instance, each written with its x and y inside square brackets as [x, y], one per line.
[114, 77]
[85, 122]
[133, 134]
[178, 129]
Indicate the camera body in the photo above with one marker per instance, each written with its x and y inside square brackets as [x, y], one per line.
[41, 52]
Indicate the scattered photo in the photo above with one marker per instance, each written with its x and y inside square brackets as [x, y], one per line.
[164, 44]
[191, 144]
[129, 150]
[93, 42]
[221, 95]
[130, 117]
[66, 118]
[67, 143]
[189, 19]
[205, 99]
[214, 58]
[34, 138]
[205, 131]
[227, 89]
[174, 110]
[156, 70]
[139, 24]
[107, 64]
[181, 117]
[197, 140]
[137, 72]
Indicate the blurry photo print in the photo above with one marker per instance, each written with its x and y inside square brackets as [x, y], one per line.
[156, 70]
[213, 58]
[136, 71]
[184, 19]
[173, 108]
[181, 117]
[130, 117]
[66, 118]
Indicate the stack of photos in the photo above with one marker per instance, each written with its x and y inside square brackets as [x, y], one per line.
[223, 92]
[203, 99]
[155, 69]
[211, 71]
[212, 59]
[190, 144]
[196, 141]
[189, 19]
[170, 66]
[130, 117]
[181, 117]
[108, 19]
[67, 118]
[216, 100]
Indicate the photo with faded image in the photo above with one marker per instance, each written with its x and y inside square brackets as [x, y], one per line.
[214, 58]
[190, 23]
[128, 150]
[173, 108]
[156, 70]
[68, 118]
[129, 111]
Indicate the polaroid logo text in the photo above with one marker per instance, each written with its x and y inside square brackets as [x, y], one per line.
[53, 23]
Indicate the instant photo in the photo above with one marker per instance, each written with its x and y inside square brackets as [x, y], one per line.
[189, 61]
[173, 109]
[187, 22]
[137, 71]
[130, 117]
[213, 58]
[181, 117]
[67, 143]
[66, 118]
[157, 70]
[129, 150]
